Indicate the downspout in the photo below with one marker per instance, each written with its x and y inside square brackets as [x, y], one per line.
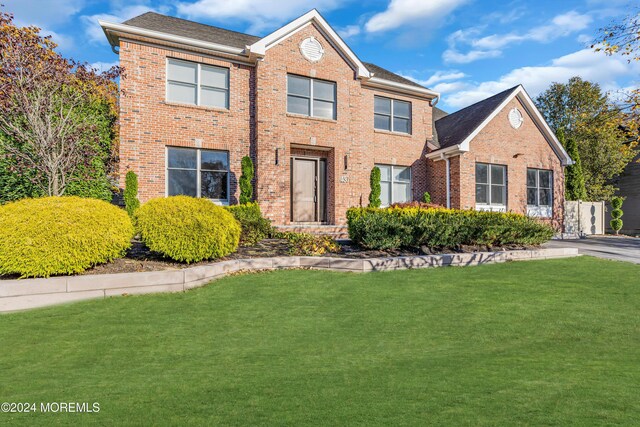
[448, 174]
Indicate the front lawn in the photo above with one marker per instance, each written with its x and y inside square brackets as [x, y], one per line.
[541, 343]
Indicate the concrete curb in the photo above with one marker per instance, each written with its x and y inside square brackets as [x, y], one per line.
[25, 294]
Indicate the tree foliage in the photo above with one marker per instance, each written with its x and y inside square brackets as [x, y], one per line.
[574, 179]
[374, 181]
[623, 38]
[585, 115]
[246, 186]
[57, 117]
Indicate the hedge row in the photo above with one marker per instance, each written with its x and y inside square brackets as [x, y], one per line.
[392, 228]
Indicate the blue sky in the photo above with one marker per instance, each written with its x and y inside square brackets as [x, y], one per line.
[465, 49]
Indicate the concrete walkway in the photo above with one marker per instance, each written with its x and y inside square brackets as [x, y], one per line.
[608, 247]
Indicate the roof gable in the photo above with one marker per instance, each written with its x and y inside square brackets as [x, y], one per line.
[261, 46]
[455, 131]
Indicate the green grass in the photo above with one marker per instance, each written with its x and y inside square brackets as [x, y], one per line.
[532, 343]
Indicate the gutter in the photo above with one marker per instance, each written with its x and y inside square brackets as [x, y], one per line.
[113, 31]
[401, 87]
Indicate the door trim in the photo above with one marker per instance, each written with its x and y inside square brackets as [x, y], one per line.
[318, 214]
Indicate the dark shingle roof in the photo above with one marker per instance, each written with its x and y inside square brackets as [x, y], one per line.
[454, 128]
[208, 33]
[183, 28]
[388, 75]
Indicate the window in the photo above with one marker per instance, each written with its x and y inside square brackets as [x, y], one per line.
[491, 187]
[198, 173]
[395, 184]
[391, 114]
[539, 192]
[311, 97]
[197, 84]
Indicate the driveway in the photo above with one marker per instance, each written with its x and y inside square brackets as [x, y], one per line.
[616, 248]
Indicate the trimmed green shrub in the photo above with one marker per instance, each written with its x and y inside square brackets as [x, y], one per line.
[246, 187]
[187, 229]
[60, 235]
[616, 214]
[440, 228]
[254, 226]
[426, 197]
[374, 181]
[131, 201]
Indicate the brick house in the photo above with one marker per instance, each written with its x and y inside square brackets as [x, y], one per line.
[316, 120]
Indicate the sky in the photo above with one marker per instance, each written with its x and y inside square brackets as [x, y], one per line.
[465, 49]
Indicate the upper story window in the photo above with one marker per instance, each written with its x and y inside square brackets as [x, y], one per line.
[311, 97]
[395, 184]
[539, 192]
[198, 173]
[197, 84]
[391, 114]
[491, 187]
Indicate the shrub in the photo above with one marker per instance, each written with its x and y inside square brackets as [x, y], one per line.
[616, 214]
[441, 228]
[246, 188]
[374, 181]
[254, 226]
[60, 235]
[426, 197]
[187, 229]
[131, 201]
[305, 244]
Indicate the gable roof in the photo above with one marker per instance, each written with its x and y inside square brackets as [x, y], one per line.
[455, 131]
[194, 30]
[454, 128]
[313, 16]
[202, 37]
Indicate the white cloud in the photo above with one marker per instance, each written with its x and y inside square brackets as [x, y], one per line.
[349, 31]
[401, 12]
[492, 45]
[260, 14]
[452, 56]
[449, 87]
[585, 63]
[44, 13]
[94, 31]
[441, 76]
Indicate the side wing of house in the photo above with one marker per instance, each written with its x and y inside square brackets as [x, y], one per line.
[501, 156]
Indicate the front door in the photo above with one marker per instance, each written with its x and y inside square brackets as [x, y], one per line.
[307, 189]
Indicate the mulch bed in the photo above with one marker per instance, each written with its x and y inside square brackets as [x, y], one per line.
[140, 258]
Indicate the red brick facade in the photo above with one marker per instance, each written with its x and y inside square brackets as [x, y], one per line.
[257, 124]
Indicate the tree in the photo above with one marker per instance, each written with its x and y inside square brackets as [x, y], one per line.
[574, 179]
[374, 181]
[616, 214]
[246, 187]
[57, 116]
[589, 118]
[131, 202]
[623, 38]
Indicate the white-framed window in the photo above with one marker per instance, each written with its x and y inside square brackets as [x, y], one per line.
[539, 192]
[197, 84]
[311, 97]
[391, 114]
[198, 173]
[491, 187]
[395, 184]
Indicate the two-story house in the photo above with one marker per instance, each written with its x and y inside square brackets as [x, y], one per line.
[316, 120]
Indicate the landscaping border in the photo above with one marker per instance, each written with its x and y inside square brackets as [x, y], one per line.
[16, 295]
